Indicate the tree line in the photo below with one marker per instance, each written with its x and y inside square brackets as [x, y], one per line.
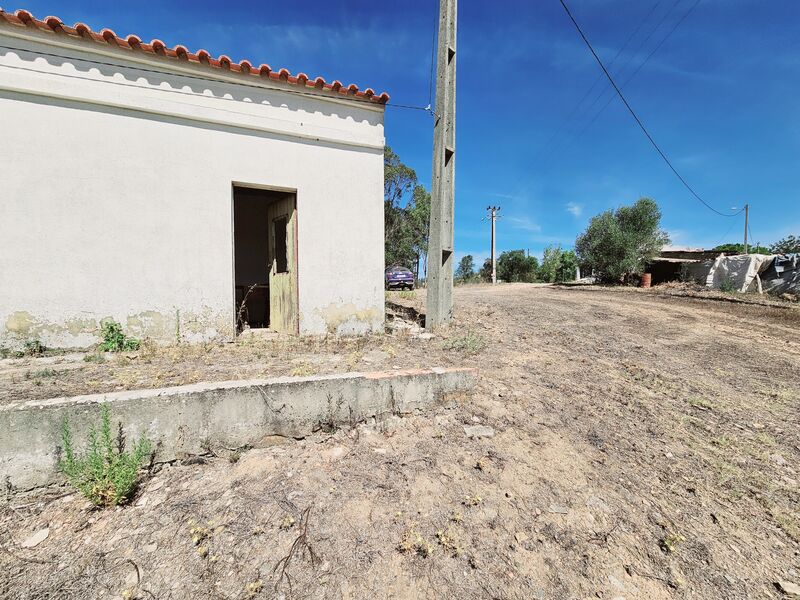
[558, 265]
[615, 245]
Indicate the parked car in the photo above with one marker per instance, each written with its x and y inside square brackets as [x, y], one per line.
[399, 278]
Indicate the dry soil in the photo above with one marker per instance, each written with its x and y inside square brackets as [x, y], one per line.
[636, 445]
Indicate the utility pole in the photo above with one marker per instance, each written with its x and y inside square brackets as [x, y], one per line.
[746, 219]
[492, 215]
[439, 309]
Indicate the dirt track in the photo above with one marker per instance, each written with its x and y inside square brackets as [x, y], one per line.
[645, 447]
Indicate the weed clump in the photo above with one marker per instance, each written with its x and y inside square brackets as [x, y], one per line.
[34, 348]
[115, 340]
[106, 474]
[727, 285]
[468, 343]
[413, 543]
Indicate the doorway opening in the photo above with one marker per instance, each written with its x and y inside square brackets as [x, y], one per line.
[265, 259]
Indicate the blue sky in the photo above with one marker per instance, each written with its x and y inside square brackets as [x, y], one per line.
[721, 96]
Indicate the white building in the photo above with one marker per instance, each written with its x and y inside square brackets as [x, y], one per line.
[157, 187]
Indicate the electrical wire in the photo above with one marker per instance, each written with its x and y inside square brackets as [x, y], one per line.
[143, 69]
[637, 119]
[433, 56]
[724, 235]
[632, 75]
[627, 63]
[594, 85]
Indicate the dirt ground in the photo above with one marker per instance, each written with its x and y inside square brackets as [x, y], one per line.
[636, 445]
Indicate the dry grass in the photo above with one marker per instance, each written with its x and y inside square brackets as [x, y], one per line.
[644, 447]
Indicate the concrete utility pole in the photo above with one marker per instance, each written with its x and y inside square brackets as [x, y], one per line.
[492, 214]
[746, 223]
[440, 240]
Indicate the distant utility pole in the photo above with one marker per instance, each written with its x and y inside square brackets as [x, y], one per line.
[491, 213]
[443, 184]
[746, 223]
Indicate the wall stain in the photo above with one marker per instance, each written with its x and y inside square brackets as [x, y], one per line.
[348, 318]
[83, 332]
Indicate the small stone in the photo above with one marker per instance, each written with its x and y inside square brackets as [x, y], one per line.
[476, 431]
[560, 510]
[336, 453]
[425, 336]
[616, 582]
[379, 450]
[598, 504]
[37, 538]
[778, 460]
[375, 356]
[149, 548]
[790, 589]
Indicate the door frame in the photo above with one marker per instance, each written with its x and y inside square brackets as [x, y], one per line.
[267, 188]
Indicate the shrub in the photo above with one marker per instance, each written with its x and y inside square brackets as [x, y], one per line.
[115, 340]
[34, 348]
[727, 285]
[107, 473]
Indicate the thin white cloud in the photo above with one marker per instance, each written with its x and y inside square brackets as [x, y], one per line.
[524, 223]
[575, 208]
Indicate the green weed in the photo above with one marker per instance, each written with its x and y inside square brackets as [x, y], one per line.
[34, 348]
[106, 474]
[727, 285]
[115, 340]
[468, 343]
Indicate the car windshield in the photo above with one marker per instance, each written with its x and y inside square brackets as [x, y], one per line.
[398, 270]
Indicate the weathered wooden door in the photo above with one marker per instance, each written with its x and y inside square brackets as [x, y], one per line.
[283, 308]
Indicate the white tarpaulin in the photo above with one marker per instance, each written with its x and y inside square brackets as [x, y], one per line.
[740, 270]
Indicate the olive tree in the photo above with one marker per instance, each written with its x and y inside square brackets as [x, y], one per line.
[618, 243]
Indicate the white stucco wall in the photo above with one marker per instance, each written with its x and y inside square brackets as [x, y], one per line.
[116, 194]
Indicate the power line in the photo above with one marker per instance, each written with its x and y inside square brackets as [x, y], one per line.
[632, 75]
[725, 235]
[636, 117]
[433, 55]
[597, 80]
[188, 76]
[631, 58]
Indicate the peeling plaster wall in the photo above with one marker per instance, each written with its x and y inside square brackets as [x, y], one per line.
[117, 196]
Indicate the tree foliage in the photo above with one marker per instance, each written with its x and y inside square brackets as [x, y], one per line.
[407, 213]
[515, 265]
[788, 245]
[739, 248]
[485, 274]
[618, 243]
[558, 265]
[466, 268]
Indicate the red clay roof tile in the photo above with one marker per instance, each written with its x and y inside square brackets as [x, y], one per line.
[22, 18]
